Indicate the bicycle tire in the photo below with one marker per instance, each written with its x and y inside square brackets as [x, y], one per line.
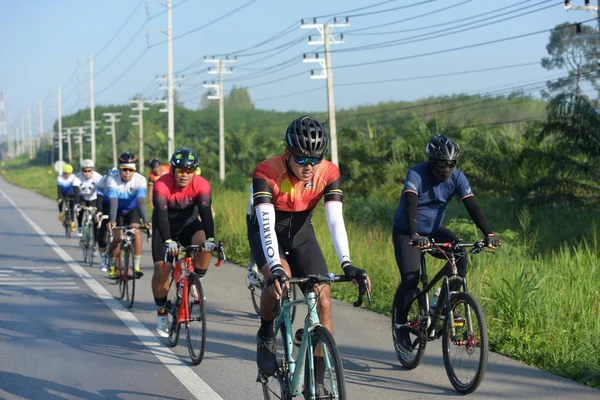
[466, 305]
[410, 360]
[172, 306]
[197, 320]
[334, 385]
[255, 293]
[91, 239]
[129, 277]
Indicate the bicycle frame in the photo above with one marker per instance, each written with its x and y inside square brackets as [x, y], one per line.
[181, 271]
[296, 366]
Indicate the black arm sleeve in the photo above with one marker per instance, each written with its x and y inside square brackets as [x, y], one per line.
[477, 215]
[76, 194]
[99, 199]
[141, 203]
[114, 205]
[59, 194]
[411, 211]
[161, 216]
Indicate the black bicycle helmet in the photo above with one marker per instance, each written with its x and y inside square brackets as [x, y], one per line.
[306, 137]
[441, 147]
[127, 158]
[155, 162]
[184, 158]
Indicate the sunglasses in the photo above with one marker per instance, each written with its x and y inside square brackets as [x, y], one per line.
[86, 170]
[188, 171]
[442, 164]
[308, 160]
[128, 169]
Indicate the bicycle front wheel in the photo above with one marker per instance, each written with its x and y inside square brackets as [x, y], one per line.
[173, 302]
[465, 354]
[277, 386]
[128, 276]
[90, 243]
[412, 359]
[195, 328]
[326, 379]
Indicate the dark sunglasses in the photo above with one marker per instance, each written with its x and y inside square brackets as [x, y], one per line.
[86, 170]
[308, 160]
[188, 171]
[442, 164]
[128, 169]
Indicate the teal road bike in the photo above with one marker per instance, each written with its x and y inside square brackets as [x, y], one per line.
[309, 362]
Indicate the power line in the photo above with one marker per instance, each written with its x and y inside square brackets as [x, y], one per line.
[356, 9]
[139, 57]
[391, 9]
[446, 32]
[127, 20]
[129, 42]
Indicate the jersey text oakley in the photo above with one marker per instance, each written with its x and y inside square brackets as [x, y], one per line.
[127, 192]
[88, 189]
[275, 184]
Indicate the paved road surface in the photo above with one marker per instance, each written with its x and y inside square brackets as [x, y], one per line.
[64, 336]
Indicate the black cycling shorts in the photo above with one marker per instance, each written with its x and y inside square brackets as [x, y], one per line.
[132, 217]
[302, 251]
[184, 237]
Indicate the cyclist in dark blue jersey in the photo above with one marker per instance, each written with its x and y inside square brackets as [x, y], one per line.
[428, 188]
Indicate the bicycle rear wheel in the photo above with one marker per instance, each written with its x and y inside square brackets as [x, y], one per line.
[409, 360]
[195, 328]
[128, 276]
[326, 380]
[90, 243]
[465, 355]
[173, 302]
[255, 293]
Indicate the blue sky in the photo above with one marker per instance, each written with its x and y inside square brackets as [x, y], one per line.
[46, 44]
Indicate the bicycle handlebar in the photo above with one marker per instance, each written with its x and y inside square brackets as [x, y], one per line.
[450, 247]
[320, 279]
[194, 248]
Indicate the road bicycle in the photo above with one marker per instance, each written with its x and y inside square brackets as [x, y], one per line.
[87, 242]
[185, 301]
[309, 361]
[257, 288]
[126, 274]
[68, 204]
[456, 318]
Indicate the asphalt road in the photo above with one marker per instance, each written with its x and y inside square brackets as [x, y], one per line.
[63, 335]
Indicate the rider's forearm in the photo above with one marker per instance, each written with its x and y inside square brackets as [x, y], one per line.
[477, 215]
[337, 229]
[114, 205]
[411, 200]
[208, 223]
[161, 217]
[59, 193]
[141, 203]
[265, 213]
[76, 194]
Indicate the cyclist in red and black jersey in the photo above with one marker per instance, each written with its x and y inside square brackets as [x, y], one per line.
[286, 190]
[179, 198]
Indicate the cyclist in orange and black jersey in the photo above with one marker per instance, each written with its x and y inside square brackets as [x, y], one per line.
[286, 189]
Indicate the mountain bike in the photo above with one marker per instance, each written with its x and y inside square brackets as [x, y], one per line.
[256, 291]
[297, 371]
[126, 275]
[88, 239]
[185, 301]
[457, 318]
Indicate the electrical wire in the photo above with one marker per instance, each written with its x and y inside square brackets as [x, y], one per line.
[127, 20]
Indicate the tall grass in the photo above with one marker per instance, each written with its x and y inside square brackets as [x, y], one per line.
[540, 291]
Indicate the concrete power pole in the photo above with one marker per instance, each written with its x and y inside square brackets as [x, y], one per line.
[23, 141]
[92, 111]
[80, 131]
[139, 107]
[69, 148]
[327, 39]
[41, 124]
[60, 138]
[221, 69]
[30, 147]
[111, 118]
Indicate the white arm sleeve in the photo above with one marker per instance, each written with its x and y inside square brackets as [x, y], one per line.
[265, 213]
[337, 229]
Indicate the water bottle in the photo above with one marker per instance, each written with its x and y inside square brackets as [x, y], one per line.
[434, 300]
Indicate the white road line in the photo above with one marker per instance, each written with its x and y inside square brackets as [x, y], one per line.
[197, 387]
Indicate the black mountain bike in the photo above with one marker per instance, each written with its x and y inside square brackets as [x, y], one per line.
[457, 318]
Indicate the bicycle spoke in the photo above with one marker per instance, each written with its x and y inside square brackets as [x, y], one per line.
[196, 326]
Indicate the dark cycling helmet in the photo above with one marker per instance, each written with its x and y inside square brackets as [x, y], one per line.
[184, 158]
[127, 158]
[441, 147]
[306, 137]
[155, 162]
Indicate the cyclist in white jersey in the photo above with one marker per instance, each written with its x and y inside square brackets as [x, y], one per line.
[103, 202]
[88, 189]
[127, 193]
[67, 187]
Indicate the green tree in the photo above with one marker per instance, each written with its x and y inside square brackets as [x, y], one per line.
[239, 99]
[577, 52]
[209, 104]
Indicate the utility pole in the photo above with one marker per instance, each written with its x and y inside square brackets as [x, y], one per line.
[221, 69]
[30, 138]
[139, 107]
[80, 130]
[69, 149]
[111, 118]
[327, 39]
[92, 111]
[41, 120]
[23, 134]
[60, 138]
